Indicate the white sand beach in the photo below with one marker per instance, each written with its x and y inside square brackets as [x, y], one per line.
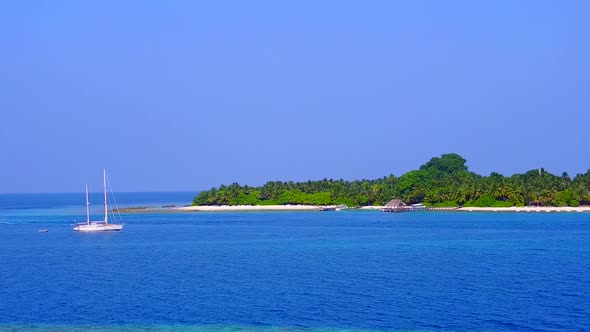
[229, 208]
[246, 208]
[372, 207]
[526, 209]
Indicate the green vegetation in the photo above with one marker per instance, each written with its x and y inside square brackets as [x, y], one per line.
[443, 181]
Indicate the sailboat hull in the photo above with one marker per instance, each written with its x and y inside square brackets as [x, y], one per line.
[98, 227]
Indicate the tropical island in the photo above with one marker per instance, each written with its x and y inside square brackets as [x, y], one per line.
[443, 181]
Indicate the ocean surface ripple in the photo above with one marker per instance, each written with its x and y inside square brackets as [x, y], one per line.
[297, 271]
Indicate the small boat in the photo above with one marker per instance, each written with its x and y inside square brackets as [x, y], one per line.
[42, 231]
[102, 225]
[341, 207]
[333, 208]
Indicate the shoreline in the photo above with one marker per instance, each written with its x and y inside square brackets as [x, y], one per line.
[307, 208]
[526, 209]
[241, 208]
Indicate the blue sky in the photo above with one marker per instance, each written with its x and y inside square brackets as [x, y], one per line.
[186, 95]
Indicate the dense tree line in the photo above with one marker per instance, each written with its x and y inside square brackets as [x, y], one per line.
[442, 181]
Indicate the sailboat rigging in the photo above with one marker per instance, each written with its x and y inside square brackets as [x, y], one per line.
[98, 226]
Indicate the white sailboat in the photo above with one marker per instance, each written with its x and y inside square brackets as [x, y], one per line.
[98, 226]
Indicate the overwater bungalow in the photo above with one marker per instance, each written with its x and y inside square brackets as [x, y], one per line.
[395, 205]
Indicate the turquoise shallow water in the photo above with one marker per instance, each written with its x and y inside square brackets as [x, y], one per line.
[358, 271]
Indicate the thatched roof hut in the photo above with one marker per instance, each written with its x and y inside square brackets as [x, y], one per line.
[395, 203]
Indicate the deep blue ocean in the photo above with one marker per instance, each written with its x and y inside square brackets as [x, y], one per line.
[328, 271]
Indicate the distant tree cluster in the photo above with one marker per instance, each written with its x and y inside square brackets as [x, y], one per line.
[442, 181]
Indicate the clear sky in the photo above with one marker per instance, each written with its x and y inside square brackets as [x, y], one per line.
[186, 95]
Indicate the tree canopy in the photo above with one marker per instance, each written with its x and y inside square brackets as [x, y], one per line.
[442, 181]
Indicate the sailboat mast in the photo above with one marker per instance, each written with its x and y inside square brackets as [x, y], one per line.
[87, 207]
[104, 179]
